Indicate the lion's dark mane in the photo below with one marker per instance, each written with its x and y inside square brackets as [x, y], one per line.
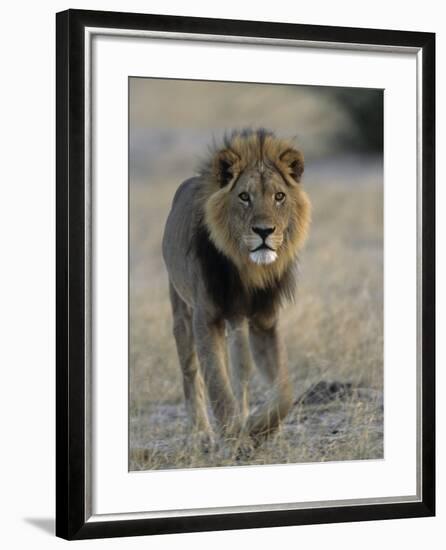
[226, 289]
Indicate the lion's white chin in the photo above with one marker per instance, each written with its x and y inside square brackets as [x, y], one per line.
[263, 256]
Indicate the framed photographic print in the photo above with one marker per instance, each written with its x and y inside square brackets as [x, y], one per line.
[245, 274]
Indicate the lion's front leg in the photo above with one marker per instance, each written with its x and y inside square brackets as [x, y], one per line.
[210, 344]
[241, 362]
[270, 357]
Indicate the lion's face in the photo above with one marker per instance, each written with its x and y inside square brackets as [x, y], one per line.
[255, 208]
[262, 211]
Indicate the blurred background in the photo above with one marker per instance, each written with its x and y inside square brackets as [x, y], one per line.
[334, 331]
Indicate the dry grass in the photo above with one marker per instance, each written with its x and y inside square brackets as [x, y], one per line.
[334, 331]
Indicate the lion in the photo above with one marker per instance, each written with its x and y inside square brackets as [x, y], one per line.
[231, 245]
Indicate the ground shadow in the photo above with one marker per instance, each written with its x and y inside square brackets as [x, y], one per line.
[44, 524]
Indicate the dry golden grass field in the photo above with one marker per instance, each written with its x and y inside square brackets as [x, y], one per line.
[333, 331]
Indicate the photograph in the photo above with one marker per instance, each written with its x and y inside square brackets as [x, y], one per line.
[256, 258]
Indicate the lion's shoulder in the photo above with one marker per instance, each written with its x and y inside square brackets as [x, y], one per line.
[187, 190]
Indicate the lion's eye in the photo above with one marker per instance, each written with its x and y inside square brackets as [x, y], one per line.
[279, 196]
[244, 196]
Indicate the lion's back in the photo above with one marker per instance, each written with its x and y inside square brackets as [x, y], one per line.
[179, 232]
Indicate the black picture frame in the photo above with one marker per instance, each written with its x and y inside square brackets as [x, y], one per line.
[71, 518]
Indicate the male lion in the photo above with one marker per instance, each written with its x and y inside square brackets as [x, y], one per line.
[230, 245]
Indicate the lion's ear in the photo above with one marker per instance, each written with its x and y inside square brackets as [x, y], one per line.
[225, 166]
[293, 162]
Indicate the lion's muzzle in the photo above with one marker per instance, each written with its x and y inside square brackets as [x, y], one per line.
[262, 243]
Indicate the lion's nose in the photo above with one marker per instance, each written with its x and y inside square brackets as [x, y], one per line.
[264, 232]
